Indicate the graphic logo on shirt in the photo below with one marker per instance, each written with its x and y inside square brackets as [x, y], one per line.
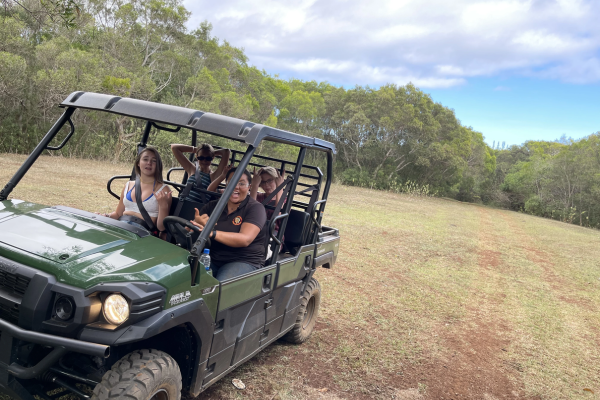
[237, 220]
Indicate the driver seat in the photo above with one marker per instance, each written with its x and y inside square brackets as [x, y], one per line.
[186, 212]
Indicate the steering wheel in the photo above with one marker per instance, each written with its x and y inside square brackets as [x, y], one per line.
[174, 226]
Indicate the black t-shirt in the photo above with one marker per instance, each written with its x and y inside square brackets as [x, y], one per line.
[249, 211]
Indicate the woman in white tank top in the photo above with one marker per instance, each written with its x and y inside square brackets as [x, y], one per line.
[156, 196]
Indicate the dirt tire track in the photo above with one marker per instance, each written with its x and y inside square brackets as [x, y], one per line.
[477, 370]
[475, 367]
[540, 258]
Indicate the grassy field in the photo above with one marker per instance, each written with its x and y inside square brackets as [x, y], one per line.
[429, 299]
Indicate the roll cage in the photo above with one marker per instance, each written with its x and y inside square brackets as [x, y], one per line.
[246, 132]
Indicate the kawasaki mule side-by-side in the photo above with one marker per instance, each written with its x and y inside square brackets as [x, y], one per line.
[102, 309]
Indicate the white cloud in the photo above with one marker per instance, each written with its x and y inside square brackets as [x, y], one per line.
[576, 71]
[490, 16]
[546, 43]
[433, 43]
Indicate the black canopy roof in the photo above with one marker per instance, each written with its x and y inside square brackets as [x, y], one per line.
[227, 127]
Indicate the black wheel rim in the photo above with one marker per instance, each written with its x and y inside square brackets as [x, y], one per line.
[160, 394]
[308, 313]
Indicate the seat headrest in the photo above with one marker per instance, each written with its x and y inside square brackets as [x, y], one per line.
[295, 230]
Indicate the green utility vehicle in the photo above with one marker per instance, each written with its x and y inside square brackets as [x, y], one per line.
[65, 273]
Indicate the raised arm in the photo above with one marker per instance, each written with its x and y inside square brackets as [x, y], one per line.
[178, 150]
[217, 181]
[278, 182]
[255, 182]
[200, 220]
[164, 200]
[225, 154]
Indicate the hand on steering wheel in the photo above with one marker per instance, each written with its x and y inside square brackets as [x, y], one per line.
[171, 220]
[174, 226]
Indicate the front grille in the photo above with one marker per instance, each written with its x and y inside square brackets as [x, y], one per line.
[9, 313]
[148, 304]
[13, 284]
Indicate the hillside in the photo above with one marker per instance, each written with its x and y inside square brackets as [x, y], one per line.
[429, 299]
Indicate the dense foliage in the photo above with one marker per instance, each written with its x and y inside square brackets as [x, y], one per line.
[392, 138]
[559, 180]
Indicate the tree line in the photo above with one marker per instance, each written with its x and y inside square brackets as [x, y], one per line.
[559, 180]
[390, 138]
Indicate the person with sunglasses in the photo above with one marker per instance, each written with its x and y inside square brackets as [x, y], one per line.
[238, 238]
[200, 175]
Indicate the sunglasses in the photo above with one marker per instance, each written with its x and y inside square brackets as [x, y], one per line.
[202, 158]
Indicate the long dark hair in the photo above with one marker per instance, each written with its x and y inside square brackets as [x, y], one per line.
[158, 172]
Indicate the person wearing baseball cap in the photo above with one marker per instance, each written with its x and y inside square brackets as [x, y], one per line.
[268, 179]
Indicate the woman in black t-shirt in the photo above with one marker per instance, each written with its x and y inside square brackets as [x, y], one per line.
[238, 238]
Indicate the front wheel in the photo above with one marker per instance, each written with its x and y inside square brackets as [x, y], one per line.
[141, 375]
[307, 314]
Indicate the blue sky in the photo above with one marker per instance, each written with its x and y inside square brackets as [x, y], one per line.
[518, 109]
[514, 70]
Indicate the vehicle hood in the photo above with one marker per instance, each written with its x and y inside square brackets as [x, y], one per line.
[82, 251]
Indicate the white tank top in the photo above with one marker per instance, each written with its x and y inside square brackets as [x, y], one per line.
[150, 204]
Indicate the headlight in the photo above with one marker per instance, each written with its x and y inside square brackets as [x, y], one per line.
[116, 309]
[64, 308]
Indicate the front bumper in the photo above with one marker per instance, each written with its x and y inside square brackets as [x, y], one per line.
[11, 336]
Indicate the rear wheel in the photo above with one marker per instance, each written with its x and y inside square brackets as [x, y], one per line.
[141, 375]
[307, 314]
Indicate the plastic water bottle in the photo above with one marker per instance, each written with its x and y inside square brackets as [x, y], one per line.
[205, 260]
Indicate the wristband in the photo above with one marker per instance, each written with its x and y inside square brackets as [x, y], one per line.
[213, 234]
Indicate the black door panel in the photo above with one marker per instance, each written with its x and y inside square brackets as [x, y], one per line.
[281, 298]
[217, 364]
[272, 329]
[247, 345]
[238, 322]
